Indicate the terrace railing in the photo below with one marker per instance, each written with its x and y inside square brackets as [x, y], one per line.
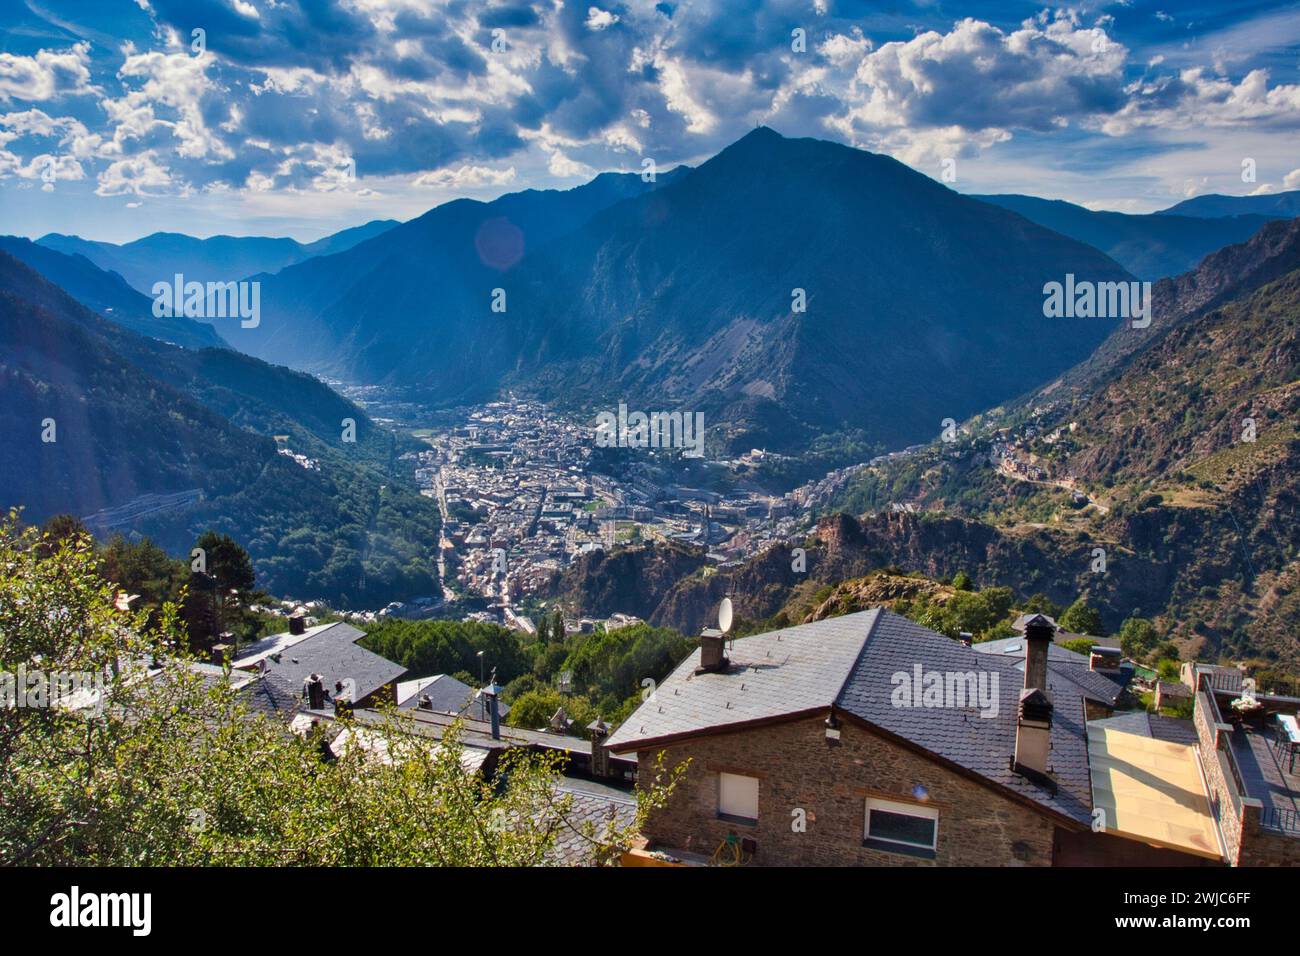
[1223, 682]
[1282, 819]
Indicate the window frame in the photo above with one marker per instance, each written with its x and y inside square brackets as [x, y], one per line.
[899, 808]
[727, 815]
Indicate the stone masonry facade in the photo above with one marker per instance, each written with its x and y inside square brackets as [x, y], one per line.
[798, 769]
[1247, 842]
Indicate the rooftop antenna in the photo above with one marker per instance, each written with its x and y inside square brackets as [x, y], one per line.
[725, 615]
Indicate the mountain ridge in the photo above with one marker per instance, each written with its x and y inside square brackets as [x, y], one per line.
[160, 255]
[683, 293]
[102, 417]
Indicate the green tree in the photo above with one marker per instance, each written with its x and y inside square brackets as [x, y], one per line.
[1079, 618]
[533, 709]
[58, 528]
[226, 561]
[142, 568]
[961, 581]
[1138, 637]
[1041, 604]
[1080, 645]
[220, 592]
[161, 767]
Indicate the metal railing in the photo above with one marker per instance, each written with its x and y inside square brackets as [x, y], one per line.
[1222, 681]
[1231, 682]
[1282, 819]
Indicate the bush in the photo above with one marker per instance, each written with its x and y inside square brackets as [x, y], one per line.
[1080, 645]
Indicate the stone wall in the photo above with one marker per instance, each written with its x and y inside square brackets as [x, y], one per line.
[799, 770]
[1261, 847]
[1224, 795]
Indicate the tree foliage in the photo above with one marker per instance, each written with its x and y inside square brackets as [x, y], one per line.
[1138, 637]
[1080, 618]
[981, 613]
[165, 766]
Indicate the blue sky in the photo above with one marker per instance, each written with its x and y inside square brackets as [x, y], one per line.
[301, 117]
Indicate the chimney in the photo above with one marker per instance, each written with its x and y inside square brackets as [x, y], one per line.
[220, 654]
[297, 624]
[494, 714]
[1039, 632]
[599, 752]
[313, 688]
[1105, 660]
[1034, 717]
[966, 638]
[712, 658]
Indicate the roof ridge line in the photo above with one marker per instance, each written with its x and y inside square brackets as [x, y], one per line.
[878, 610]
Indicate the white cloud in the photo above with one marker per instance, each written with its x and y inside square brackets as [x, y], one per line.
[69, 133]
[1195, 99]
[46, 75]
[598, 19]
[177, 81]
[562, 167]
[466, 177]
[983, 82]
[140, 175]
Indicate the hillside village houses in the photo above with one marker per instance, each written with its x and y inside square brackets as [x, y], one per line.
[870, 740]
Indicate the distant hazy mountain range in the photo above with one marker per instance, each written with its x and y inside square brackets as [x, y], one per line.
[97, 417]
[1151, 246]
[160, 256]
[1274, 205]
[787, 288]
[108, 294]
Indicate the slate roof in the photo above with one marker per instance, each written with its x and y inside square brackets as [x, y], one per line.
[780, 672]
[447, 695]
[1015, 647]
[1061, 635]
[1066, 664]
[278, 643]
[273, 694]
[850, 662]
[332, 652]
[477, 733]
[593, 804]
[984, 745]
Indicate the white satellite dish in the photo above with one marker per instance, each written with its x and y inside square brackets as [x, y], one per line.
[724, 615]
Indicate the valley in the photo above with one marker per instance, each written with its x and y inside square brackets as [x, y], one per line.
[479, 483]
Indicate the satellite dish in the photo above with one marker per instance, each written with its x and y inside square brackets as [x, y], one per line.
[724, 615]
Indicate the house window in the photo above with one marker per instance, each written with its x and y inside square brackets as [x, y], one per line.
[901, 827]
[737, 798]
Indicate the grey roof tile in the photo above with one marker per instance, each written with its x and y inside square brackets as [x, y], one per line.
[333, 652]
[984, 745]
[593, 811]
[850, 662]
[447, 695]
[780, 672]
